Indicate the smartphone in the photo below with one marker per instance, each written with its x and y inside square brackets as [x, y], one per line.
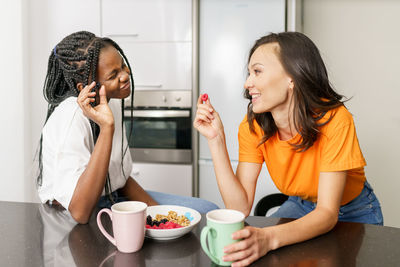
[96, 89]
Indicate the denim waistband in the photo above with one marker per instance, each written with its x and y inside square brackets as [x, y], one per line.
[309, 204]
[105, 202]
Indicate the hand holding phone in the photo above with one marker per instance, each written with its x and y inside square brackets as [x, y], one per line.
[96, 89]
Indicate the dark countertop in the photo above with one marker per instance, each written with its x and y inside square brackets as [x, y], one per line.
[37, 235]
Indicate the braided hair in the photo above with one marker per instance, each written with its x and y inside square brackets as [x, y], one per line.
[74, 60]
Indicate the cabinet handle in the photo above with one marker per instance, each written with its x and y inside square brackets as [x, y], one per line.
[148, 85]
[124, 35]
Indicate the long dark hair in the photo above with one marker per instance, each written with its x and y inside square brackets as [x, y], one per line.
[313, 95]
[74, 60]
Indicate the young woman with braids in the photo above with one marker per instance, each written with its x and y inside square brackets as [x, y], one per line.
[84, 159]
[298, 125]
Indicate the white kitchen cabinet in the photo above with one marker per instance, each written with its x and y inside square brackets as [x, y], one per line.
[167, 178]
[159, 66]
[148, 20]
[57, 19]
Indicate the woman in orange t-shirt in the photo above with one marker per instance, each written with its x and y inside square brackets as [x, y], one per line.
[297, 124]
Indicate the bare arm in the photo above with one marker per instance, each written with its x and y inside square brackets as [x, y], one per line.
[91, 182]
[257, 242]
[135, 192]
[322, 219]
[237, 190]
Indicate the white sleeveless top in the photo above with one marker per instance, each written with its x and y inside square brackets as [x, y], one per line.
[66, 149]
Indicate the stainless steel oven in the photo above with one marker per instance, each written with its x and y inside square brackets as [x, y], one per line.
[162, 127]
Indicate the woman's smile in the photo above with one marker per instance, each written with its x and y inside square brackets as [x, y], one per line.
[254, 97]
[126, 86]
[113, 72]
[268, 83]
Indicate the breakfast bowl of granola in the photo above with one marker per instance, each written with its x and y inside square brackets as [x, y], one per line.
[165, 222]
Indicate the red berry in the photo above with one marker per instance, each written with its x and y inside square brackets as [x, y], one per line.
[204, 97]
[175, 225]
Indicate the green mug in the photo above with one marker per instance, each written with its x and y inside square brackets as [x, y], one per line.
[217, 234]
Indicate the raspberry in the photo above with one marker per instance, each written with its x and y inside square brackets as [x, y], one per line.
[178, 225]
[204, 97]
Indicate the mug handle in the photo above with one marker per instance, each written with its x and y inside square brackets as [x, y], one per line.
[107, 258]
[203, 239]
[102, 230]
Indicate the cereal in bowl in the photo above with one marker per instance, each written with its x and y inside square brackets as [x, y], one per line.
[170, 221]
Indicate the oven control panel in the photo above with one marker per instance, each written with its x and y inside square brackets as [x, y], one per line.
[162, 99]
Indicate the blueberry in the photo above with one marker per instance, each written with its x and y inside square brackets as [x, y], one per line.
[149, 220]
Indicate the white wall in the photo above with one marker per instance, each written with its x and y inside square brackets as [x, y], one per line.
[14, 139]
[29, 31]
[360, 42]
[48, 22]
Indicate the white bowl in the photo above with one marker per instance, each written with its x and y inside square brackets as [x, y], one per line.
[167, 234]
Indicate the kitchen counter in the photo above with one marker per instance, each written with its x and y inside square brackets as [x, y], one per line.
[37, 235]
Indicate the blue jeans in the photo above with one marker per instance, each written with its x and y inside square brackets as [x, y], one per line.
[201, 205]
[363, 209]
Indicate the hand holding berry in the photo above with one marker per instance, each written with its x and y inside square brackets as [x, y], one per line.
[207, 120]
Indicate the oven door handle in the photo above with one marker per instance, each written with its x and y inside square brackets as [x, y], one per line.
[158, 113]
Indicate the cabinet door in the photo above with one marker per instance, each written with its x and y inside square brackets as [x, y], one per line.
[148, 20]
[167, 178]
[160, 66]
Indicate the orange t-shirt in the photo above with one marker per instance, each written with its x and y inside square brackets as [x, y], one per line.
[297, 173]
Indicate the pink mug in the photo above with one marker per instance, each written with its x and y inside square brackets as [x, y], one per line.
[128, 223]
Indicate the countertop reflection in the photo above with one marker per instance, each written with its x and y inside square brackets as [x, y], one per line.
[37, 235]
